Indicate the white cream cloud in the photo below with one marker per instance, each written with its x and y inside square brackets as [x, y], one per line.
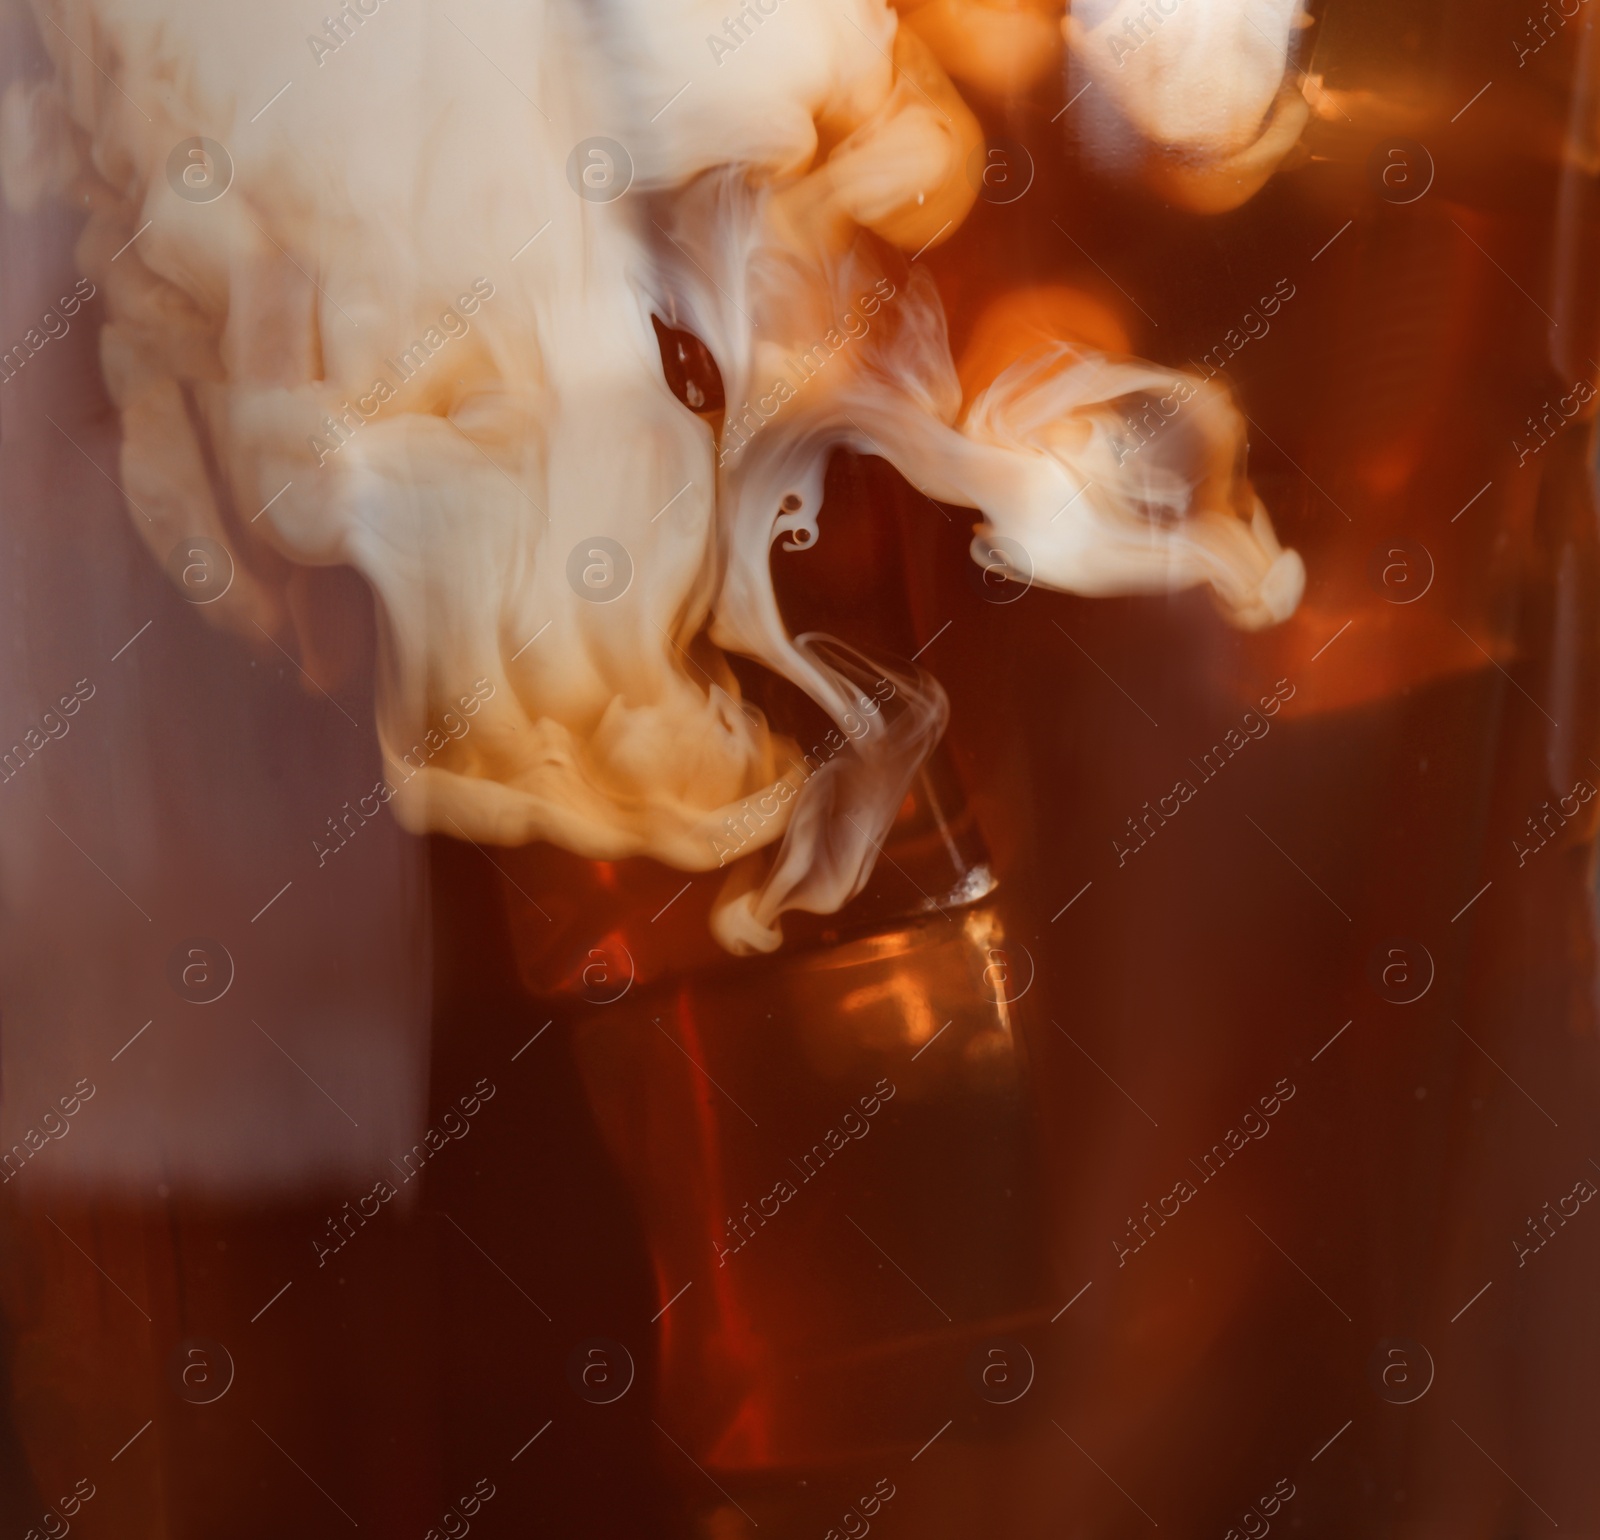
[423, 184]
[1202, 80]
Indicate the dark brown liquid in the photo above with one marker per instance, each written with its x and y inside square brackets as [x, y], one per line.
[1200, 1351]
[1234, 945]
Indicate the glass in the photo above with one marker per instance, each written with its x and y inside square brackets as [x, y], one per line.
[1168, 1103]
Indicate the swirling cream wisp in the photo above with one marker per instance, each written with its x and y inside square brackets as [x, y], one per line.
[413, 334]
